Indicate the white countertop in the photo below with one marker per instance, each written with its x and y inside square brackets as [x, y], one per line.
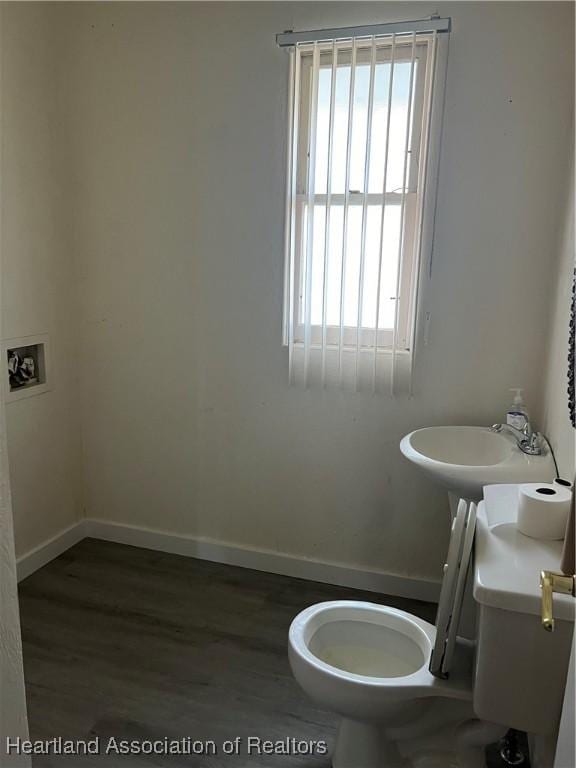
[508, 563]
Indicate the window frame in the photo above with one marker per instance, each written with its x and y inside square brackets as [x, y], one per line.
[412, 198]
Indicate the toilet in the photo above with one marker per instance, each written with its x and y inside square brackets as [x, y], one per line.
[369, 664]
[402, 686]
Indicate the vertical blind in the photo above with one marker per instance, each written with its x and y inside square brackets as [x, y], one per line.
[359, 132]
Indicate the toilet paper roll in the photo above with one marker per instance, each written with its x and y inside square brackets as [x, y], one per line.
[543, 510]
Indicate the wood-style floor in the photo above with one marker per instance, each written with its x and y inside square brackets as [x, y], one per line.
[134, 644]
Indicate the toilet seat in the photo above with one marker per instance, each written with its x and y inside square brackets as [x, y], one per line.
[394, 678]
[384, 653]
[318, 655]
[452, 591]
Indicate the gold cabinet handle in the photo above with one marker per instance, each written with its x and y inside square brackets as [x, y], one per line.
[551, 582]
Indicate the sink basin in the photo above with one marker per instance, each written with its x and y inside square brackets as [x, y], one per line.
[464, 459]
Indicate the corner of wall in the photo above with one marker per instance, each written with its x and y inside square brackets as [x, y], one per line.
[555, 419]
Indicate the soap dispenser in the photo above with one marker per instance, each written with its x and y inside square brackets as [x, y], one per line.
[517, 415]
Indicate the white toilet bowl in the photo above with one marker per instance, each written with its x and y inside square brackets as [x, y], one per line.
[369, 664]
[402, 686]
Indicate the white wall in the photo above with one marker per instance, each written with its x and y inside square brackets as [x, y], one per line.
[39, 293]
[13, 716]
[557, 422]
[177, 133]
[145, 160]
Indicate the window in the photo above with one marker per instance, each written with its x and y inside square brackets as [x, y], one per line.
[356, 192]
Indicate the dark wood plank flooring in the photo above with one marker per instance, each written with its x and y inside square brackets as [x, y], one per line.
[135, 644]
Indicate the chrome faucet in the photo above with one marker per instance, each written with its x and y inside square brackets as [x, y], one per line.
[529, 442]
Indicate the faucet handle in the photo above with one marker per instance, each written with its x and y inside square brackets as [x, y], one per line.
[532, 443]
[551, 582]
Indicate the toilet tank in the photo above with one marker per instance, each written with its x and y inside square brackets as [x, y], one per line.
[520, 669]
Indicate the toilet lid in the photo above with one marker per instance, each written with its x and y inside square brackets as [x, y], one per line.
[452, 592]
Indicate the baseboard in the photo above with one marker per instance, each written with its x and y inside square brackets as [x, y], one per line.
[264, 560]
[230, 554]
[31, 561]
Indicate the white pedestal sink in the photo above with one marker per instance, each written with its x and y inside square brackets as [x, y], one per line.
[465, 459]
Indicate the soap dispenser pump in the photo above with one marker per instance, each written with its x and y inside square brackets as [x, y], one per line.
[517, 415]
